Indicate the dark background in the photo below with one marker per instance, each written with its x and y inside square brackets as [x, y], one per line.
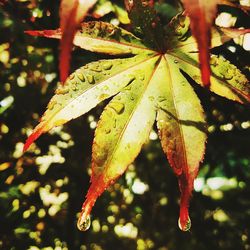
[41, 191]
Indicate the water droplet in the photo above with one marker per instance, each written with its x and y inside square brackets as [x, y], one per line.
[142, 77]
[81, 77]
[96, 68]
[228, 77]
[186, 227]
[110, 30]
[161, 99]
[127, 88]
[71, 77]
[74, 87]
[105, 88]
[61, 91]
[107, 65]
[51, 104]
[214, 61]
[114, 124]
[132, 98]
[117, 107]
[90, 79]
[107, 130]
[175, 61]
[83, 222]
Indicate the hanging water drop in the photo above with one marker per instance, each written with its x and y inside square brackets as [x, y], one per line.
[186, 227]
[176, 61]
[84, 222]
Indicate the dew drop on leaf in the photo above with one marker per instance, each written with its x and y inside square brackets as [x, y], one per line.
[62, 91]
[142, 77]
[186, 227]
[90, 79]
[71, 77]
[84, 222]
[107, 130]
[162, 99]
[127, 87]
[107, 65]
[81, 77]
[51, 104]
[118, 107]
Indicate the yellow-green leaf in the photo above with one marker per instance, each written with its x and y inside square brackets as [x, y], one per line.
[101, 37]
[181, 124]
[84, 89]
[225, 80]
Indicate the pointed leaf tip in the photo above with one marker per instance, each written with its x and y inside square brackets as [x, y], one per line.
[36, 133]
[96, 188]
[44, 33]
[186, 187]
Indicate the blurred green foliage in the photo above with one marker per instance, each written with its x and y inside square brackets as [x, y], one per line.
[41, 191]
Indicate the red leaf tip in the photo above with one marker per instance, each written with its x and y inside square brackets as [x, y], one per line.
[31, 139]
[96, 189]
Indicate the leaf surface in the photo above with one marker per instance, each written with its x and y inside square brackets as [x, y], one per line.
[84, 89]
[102, 38]
[226, 80]
[72, 13]
[181, 125]
[123, 128]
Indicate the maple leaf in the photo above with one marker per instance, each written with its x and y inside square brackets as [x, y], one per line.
[148, 85]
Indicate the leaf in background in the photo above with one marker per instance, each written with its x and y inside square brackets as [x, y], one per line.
[104, 7]
[72, 13]
[100, 37]
[202, 14]
[231, 3]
